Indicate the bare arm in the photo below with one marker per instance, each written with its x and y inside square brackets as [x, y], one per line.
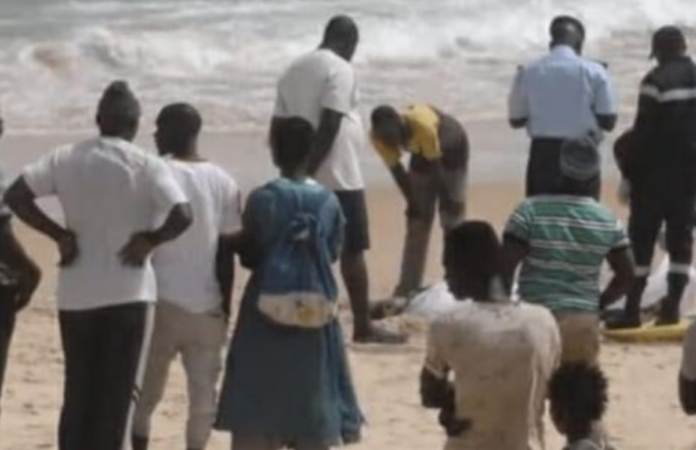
[142, 244]
[224, 269]
[607, 122]
[687, 395]
[329, 127]
[17, 259]
[403, 181]
[518, 123]
[621, 263]
[22, 202]
[514, 252]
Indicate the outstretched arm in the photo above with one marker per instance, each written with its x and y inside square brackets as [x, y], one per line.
[621, 263]
[22, 201]
[514, 251]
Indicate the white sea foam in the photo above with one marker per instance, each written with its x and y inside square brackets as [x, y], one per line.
[56, 55]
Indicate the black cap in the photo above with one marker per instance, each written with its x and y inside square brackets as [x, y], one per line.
[668, 40]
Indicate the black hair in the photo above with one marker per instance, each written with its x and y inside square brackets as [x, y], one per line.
[178, 127]
[577, 188]
[384, 114]
[578, 395]
[474, 248]
[119, 110]
[341, 28]
[292, 140]
[181, 118]
[560, 25]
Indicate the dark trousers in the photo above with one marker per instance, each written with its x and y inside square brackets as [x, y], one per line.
[7, 323]
[544, 168]
[105, 353]
[651, 207]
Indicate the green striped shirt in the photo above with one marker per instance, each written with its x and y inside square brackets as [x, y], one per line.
[569, 238]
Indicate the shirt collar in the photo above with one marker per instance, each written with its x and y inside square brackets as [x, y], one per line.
[564, 51]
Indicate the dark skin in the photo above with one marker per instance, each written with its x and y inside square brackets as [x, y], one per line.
[687, 395]
[620, 261]
[439, 393]
[570, 35]
[183, 146]
[398, 137]
[15, 257]
[342, 37]
[140, 246]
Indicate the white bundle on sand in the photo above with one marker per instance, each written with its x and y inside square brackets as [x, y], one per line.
[657, 290]
[437, 300]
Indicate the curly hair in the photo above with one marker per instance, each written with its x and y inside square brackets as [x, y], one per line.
[578, 394]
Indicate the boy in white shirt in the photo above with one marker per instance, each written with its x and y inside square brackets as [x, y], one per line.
[195, 275]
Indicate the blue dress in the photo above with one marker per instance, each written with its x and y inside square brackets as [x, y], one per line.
[288, 384]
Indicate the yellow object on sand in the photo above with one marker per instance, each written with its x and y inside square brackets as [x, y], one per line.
[650, 333]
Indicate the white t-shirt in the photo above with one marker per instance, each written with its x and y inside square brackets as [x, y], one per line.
[321, 80]
[109, 189]
[185, 268]
[502, 356]
[561, 94]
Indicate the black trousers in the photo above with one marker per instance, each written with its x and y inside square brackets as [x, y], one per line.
[544, 168]
[653, 206]
[8, 314]
[105, 355]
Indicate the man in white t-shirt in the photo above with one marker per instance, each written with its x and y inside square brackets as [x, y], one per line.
[321, 88]
[119, 205]
[499, 354]
[195, 275]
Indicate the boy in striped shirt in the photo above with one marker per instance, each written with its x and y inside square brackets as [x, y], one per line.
[561, 241]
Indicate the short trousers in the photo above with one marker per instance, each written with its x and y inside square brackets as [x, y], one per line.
[357, 229]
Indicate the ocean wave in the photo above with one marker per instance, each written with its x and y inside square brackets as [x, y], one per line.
[226, 56]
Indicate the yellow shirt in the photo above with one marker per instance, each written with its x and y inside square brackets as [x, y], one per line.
[425, 142]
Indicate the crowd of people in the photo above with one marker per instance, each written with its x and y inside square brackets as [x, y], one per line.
[148, 244]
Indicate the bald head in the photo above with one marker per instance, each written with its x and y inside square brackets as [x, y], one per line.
[341, 36]
[567, 30]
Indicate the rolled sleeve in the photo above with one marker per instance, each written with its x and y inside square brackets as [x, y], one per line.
[518, 107]
[41, 176]
[520, 223]
[166, 192]
[688, 366]
[339, 89]
[604, 97]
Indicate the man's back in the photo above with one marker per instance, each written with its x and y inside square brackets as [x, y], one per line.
[323, 80]
[185, 268]
[108, 190]
[561, 94]
[502, 356]
[568, 238]
[665, 128]
[302, 89]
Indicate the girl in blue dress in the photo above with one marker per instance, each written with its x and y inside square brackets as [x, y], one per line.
[286, 385]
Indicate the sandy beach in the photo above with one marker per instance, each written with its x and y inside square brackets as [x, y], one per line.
[644, 412]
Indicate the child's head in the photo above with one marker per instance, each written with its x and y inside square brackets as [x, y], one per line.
[578, 394]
